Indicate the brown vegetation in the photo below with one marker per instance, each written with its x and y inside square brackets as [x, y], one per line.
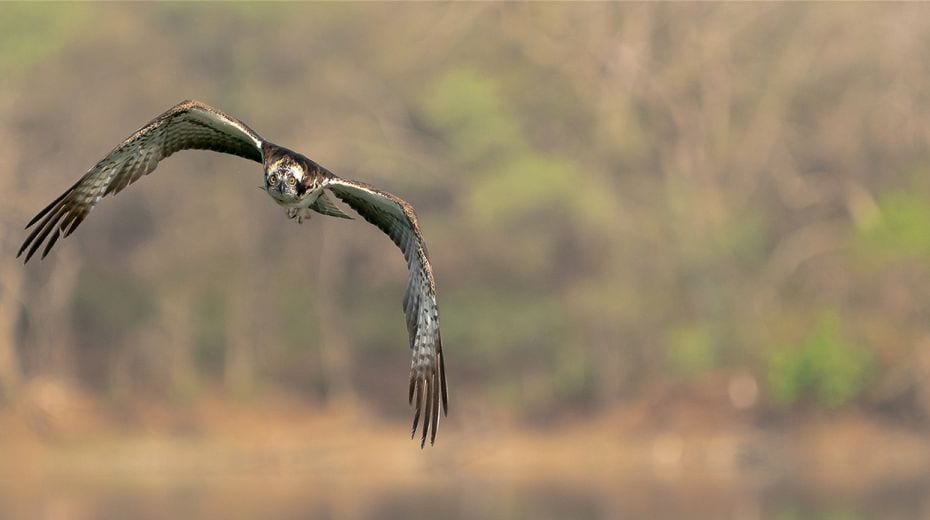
[715, 216]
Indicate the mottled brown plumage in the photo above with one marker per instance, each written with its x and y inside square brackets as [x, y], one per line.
[293, 181]
[399, 221]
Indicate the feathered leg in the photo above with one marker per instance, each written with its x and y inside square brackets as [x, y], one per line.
[300, 214]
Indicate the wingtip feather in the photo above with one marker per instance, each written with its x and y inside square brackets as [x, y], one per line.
[443, 385]
[435, 413]
[427, 420]
[416, 415]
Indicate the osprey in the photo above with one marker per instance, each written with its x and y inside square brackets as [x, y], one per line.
[293, 181]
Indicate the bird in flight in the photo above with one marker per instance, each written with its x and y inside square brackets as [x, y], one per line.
[293, 181]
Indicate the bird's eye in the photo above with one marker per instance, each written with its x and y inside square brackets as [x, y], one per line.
[272, 179]
[291, 180]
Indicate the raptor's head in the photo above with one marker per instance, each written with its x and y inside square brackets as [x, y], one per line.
[291, 179]
[284, 180]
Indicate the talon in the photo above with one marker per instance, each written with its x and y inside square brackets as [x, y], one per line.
[300, 214]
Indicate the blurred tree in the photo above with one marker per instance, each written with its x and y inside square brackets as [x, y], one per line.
[617, 197]
[825, 367]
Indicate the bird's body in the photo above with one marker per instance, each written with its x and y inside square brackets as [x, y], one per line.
[295, 182]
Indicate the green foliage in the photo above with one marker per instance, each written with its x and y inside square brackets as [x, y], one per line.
[824, 367]
[531, 183]
[30, 32]
[504, 324]
[694, 348]
[901, 231]
[468, 108]
[514, 178]
[601, 180]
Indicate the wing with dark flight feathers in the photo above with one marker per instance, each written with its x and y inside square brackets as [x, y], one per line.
[187, 126]
[427, 371]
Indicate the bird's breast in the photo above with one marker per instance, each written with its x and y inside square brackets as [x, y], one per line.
[288, 201]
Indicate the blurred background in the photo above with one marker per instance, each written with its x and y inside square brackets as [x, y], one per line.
[682, 252]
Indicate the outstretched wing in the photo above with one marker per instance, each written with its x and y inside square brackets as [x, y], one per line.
[427, 371]
[188, 125]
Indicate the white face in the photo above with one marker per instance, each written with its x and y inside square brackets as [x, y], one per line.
[284, 182]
